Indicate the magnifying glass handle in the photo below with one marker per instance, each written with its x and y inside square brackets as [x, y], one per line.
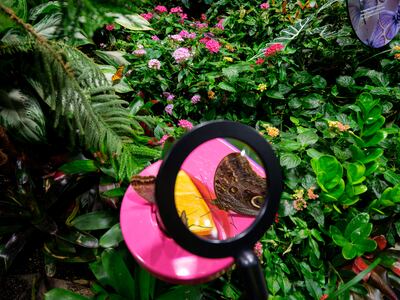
[253, 277]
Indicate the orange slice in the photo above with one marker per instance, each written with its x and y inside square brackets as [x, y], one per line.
[191, 206]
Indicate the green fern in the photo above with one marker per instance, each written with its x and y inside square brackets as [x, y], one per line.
[83, 101]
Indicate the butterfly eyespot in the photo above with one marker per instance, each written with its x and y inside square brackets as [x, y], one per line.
[257, 201]
[233, 189]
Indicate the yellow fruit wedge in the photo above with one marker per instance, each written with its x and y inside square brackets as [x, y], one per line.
[191, 206]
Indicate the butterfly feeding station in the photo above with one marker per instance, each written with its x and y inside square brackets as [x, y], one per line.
[214, 201]
[375, 22]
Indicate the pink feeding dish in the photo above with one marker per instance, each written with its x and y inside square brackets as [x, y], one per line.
[158, 253]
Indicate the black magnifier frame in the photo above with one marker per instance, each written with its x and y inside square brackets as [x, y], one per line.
[171, 165]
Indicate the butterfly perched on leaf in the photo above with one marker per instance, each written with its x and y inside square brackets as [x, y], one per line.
[118, 74]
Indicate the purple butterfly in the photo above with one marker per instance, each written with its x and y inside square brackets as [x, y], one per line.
[387, 27]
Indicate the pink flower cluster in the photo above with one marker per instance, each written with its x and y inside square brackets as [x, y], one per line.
[147, 16]
[200, 25]
[185, 124]
[258, 249]
[168, 109]
[274, 48]
[169, 96]
[155, 38]
[264, 6]
[187, 35]
[213, 46]
[220, 24]
[195, 99]
[110, 27]
[260, 61]
[181, 54]
[176, 10]
[160, 9]
[154, 64]
[140, 51]
[177, 37]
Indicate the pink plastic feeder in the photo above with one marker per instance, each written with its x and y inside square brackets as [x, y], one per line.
[158, 253]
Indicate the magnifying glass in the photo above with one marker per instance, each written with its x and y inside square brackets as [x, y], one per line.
[237, 196]
[375, 22]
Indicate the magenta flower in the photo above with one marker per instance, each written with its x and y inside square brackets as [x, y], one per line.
[169, 96]
[155, 38]
[200, 25]
[154, 64]
[139, 52]
[181, 54]
[168, 109]
[163, 139]
[110, 27]
[195, 99]
[147, 16]
[160, 9]
[220, 24]
[258, 249]
[274, 48]
[176, 10]
[264, 6]
[185, 124]
[187, 35]
[213, 46]
[260, 61]
[203, 17]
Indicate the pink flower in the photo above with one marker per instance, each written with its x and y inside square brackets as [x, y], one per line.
[155, 38]
[204, 40]
[183, 16]
[163, 139]
[176, 10]
[264, 6]
[139, 52]
[110, 27]
[213, 46]
[258, 249]
[154, 64]
[168, 109]
[169, 96]
[176, 37]
[274, 48]
[160, 9]
[195, 99]
[185, 124]
[203, 17]
[185, 34]
[181, 54]
[147, 16]
[200, 25]
[220, 24]
[260, 61]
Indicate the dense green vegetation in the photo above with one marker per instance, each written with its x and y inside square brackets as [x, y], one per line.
[92, 92]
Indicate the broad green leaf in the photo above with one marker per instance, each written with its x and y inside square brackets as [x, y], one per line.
[349, 251]
[117, 192]
[355, 172]
[289, 145]
[319, 82]
[146, 284]
[366, 245]
[345, 81]
[226, 87]
[355, 223]
[57, 294]
[372, 128]
[361, 233]
[249, 99]
[337, 190]
[275, 94]
[79, 166]
[118, 273]
[337, 236]
[112, 237]
[95, 220]
[370, 155]
[359, 189]
[312, 101]
[307, 138]
[79, 238]
[114, 58]
[133, 22]
[314, 153]
[375, 139]
[366, 103]
[290, 160]
[392, 177]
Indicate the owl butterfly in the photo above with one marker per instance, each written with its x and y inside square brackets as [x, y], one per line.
[237, 187]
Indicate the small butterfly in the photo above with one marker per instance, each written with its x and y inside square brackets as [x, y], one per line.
[118, 74]
[387, 27]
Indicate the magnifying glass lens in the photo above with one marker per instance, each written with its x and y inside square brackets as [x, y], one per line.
[220, 189]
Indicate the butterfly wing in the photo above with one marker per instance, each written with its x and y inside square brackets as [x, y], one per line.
[145, 186]
[237, 186]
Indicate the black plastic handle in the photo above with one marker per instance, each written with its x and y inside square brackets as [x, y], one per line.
[253, 277]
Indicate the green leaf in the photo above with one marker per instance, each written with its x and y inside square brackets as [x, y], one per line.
[79, 238]
[337, 236]
[319, 82]
[289, 145]
[114, 58]
[349, 251]
[275, 94]
[314, 153]
[19, 7]
[57, 294]
[95, 220]
[312, 101]
[226, 87]
[366, 103]
[392, 177]
[118, 273]
[117, 192]
[345, 81]
[146, 284]
[307, 138]
[355, 172]
[290, 160]
[375, 139]
[355, 223]
[112, 237]
[187, 292]
[79, 166]
[374, 127]
[133, 22]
